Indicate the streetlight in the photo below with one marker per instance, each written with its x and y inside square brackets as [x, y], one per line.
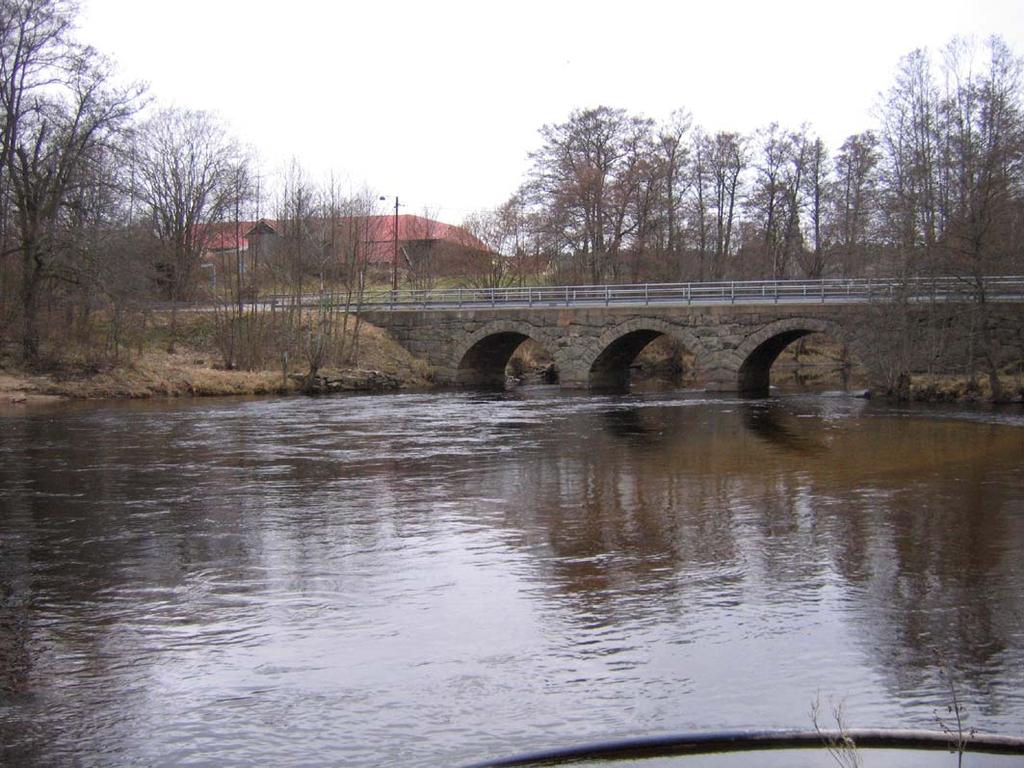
[394, 260]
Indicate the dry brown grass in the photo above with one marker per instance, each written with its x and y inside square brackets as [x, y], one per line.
[21, 389]
[160, 374]
[935, 388]
[379, 352]
[193, 370]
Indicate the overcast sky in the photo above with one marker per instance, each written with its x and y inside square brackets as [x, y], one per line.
[440, 102]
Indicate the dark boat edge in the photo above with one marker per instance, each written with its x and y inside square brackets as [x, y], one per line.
[747, 741]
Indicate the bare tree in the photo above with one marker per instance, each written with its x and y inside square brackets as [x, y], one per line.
[352, 232]
[697, 207]
[187, 167]
[727, 161]
[673, 153]
[421, 257]
[240, 322]
[855, 201]
[817, 191]
[35, 46]
[769, 197]
[795, 176]
[953, 176]
[504, 232]
[66, 119]
[910, 163]
[712, 205]
[982, 121]
[583, 177]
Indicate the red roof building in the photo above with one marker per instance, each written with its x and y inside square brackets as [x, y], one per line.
[415, 233]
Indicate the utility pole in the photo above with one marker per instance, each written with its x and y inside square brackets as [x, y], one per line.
[394, 268]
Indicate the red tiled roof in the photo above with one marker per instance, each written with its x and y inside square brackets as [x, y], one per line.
[223, 236]
[381, 238]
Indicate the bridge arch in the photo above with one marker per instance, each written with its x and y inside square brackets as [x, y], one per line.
[606, 362]
[481, 358]
[757, 353]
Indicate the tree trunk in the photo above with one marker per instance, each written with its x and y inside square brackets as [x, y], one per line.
[29, 291]
[987, 354]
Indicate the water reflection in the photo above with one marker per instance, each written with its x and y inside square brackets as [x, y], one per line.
[426, 579]
[771, 421]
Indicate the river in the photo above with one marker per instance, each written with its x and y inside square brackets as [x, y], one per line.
[432, 579]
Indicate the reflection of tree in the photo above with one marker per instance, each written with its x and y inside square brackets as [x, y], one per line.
[635, 509]
[771, 421]
[629, 423]
[625, 509]
[935, 576]
[112, 525]
[15, 657]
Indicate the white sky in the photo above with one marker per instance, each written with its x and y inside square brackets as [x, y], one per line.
[440, 102]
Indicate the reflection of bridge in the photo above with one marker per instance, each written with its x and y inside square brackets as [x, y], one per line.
[735, 330]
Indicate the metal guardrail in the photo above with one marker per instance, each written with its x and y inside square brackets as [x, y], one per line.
[834, 290]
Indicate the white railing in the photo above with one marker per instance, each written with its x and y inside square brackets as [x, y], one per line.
[834, 290]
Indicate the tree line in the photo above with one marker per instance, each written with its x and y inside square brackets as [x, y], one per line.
[936, 187]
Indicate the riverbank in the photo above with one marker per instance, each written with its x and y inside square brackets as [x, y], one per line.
[937, 388]
[194, 370]
[159, 374]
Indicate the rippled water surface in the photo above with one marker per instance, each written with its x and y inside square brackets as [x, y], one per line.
[432, 579]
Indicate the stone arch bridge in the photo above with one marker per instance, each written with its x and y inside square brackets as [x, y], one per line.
[469, 341]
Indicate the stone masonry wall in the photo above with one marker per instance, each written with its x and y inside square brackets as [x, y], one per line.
[722, 338]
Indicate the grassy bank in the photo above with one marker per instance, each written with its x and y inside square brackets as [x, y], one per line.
[932, 388]
[194, 368]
